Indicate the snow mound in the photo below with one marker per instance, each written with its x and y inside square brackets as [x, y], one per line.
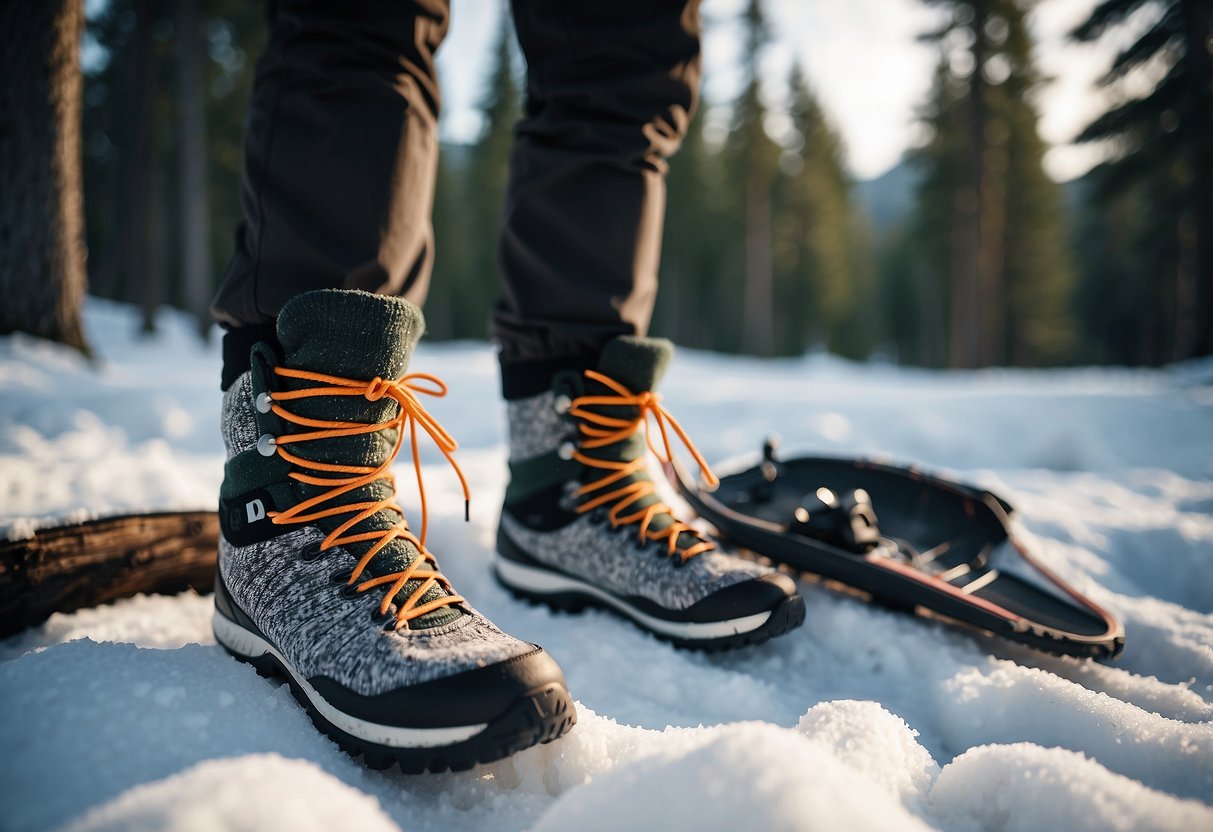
[747, 776]
[1014, 704]
[1026, 788]
[109, 717]
[876, 742]
[291, 794]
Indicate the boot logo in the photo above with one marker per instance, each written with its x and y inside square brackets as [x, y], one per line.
[239, 516]
[255, 510]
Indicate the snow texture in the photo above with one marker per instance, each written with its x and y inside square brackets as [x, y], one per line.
[129, 716]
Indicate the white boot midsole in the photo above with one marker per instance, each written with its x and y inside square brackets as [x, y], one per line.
[250, 645]
[534, 581]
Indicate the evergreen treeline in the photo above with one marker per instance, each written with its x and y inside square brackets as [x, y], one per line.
[768, 249]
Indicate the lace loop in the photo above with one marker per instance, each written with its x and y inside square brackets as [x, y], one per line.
[410, 412]
[600, 430]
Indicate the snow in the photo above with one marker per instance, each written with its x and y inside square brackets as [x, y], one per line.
[129, 717]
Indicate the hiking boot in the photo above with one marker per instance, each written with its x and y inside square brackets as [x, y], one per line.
[320, 577]
[582, 522]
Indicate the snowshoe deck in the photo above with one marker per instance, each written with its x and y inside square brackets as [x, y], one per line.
[910, 540]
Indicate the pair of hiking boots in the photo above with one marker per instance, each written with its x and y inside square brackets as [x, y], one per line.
[322, 580]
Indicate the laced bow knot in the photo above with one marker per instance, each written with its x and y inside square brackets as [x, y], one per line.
[600, 430]
[376, 388]
[409, 412]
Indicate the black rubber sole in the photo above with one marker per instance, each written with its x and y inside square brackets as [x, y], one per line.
[787, 616]
[538, 717]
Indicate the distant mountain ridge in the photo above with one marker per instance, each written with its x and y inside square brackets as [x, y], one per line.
[888, 197]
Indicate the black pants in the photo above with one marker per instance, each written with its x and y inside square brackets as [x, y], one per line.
[342, 151]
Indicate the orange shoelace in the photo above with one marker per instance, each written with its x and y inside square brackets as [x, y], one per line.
[404, 391]
[600, 430]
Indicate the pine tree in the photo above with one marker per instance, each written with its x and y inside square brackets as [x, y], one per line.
[818, 237]
[923, 255]
[1163, 150]
[984, 186]
[754, 163]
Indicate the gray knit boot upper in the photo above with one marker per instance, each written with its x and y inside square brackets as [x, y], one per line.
[319, 575]
[349, 335]
[583, 522]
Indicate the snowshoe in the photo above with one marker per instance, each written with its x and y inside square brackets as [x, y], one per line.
[939, 547]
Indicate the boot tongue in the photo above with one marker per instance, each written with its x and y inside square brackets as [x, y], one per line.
[355, 335]
[351, 334]
[636, 363]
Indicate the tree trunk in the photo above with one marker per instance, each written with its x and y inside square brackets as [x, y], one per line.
[42, 253]
[192, 161]
[969, 279]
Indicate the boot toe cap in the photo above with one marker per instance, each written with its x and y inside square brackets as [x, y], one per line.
[748, 597]
[471, 697]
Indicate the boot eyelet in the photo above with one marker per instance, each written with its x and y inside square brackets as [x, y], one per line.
[340, 576]
[563, 404]
[379, 617]
[264, 402]
[267, 445]
[568, 496]
[311, 552]
[679, 561]
[567, 383]
[349, 591]
[598, 516]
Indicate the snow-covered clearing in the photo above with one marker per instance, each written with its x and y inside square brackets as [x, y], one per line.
[129, 716]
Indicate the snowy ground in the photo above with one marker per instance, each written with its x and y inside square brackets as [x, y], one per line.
[129, 716]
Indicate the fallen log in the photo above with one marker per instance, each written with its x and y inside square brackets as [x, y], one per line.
[65, 568]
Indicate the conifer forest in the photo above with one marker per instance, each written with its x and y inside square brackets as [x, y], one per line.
[771, 246]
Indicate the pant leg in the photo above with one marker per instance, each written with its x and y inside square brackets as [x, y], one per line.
[611, 87]
[341, 156]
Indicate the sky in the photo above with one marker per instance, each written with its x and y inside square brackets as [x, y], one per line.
[861, 57]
